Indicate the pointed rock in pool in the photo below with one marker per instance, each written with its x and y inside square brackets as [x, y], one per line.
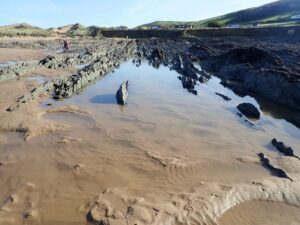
[122, 93]
[249, 110]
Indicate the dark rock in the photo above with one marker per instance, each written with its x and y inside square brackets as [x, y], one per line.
[265, 162]
[249, 110]
[122, 93]
[226, 98]
[130, 210]
[187, 83]
[158, 54]
[203, 79]
[201, 51]
[194, 92]
[281, 147]
[239, 114]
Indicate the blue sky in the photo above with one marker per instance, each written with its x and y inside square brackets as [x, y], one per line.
[54, 13]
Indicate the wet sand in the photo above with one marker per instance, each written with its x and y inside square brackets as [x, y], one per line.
[15, 54]
[258, 212]
[168, 157]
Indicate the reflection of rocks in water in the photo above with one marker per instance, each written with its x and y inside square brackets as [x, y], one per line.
[188, 84]
[236, 88]
[137, 62]
[182, 64]
[279, 111]
[259, 72]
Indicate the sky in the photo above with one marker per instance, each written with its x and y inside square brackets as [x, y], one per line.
[55, 13]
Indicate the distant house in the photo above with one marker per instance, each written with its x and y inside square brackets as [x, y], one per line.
[183, 26]
[234, 26]
[155, 28]
[295, 17]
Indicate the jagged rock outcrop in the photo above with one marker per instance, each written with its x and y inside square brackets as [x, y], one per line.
[257, 72]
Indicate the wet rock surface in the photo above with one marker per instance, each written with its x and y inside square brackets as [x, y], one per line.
[249, 110]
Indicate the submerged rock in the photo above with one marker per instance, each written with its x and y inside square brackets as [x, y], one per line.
[226, 98]
[122, 93]
[249, 110]
[281, 147]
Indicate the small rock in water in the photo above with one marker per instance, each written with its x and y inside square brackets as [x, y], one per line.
[249, 110]
[265, 162]
[226, 98]
[122, 93]
[281, 147]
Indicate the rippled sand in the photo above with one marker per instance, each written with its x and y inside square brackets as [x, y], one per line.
[173, 157]
[259, 212]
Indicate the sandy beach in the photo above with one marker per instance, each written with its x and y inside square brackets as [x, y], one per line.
[167, 157]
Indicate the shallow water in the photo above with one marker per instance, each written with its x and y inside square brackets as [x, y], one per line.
[9, 63]
[166, 146]
[156, 97]
[37, 78]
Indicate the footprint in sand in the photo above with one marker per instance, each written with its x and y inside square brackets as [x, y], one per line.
[20, 204]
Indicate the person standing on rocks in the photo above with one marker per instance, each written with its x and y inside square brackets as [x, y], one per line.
[66, 46]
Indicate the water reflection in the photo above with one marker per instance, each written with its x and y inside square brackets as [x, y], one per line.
[153, 88]
[6, 64]
[104, 99]
[39, 79]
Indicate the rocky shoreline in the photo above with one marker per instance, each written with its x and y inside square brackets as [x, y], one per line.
[254, 67]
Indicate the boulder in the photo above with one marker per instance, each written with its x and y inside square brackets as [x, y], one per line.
[122, 93]
[249, 110]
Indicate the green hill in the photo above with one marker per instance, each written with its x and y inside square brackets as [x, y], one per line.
[279, 13]
[24, 29]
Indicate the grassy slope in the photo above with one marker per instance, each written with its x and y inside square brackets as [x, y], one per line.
[24, 30]
[276, 13]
